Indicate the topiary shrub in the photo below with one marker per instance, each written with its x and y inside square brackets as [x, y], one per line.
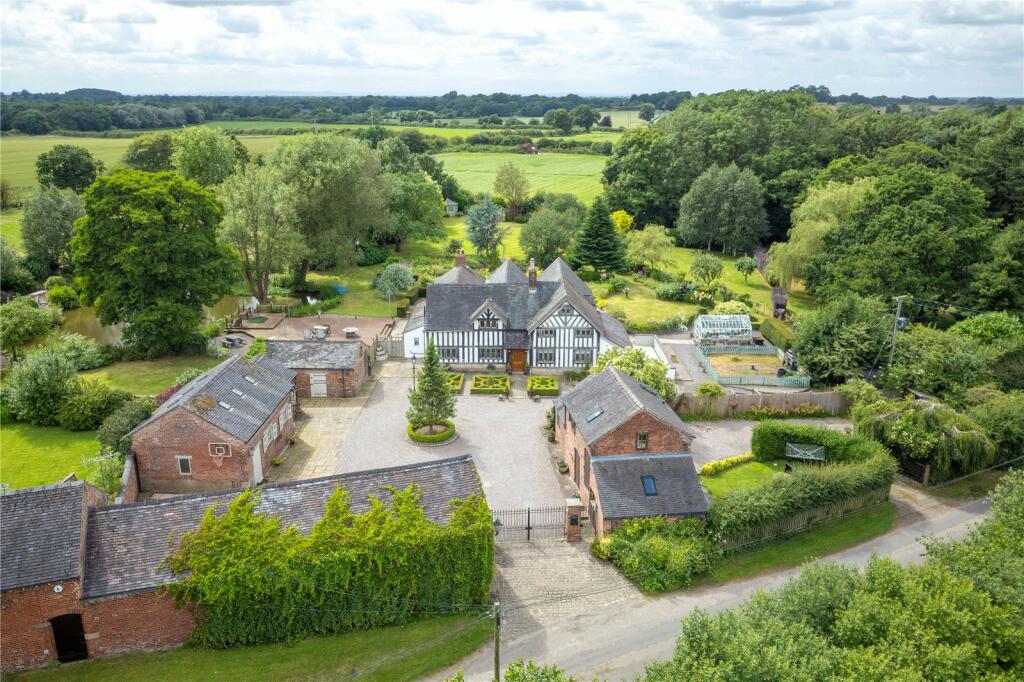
[439, 437]
[542, 385]
[490, 384]
[455, 381]
[113, 433]
[88, 404]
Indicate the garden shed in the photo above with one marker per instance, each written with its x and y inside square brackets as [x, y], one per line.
[727, 329]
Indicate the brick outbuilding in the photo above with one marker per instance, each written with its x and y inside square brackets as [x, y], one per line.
[613, 424]
[220, 430]
[323, 369]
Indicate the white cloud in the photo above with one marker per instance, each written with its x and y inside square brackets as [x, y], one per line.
[548, 46]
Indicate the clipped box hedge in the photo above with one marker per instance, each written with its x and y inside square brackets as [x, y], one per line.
[441, 437]
[769, 438]
[490, 384]
[777, 333]
[455, 381]
[720, 465]
[541, 385]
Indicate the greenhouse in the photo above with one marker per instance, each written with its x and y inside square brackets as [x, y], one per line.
[728, 329]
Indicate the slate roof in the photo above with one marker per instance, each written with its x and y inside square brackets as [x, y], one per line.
[125, 544]
[40, 534]
[621, 491]
[615, 397]
[314, 354]
[559, 271]
[507, 273]
[460, 274]
[247, 412]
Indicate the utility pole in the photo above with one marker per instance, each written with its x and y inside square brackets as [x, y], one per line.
[896, 324]
[497, 642]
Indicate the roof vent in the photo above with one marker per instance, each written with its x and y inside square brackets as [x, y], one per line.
[251, 380]
[237, 392]
[225, 405]
[591, 417]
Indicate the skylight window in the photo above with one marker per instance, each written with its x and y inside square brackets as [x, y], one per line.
[649, 487]
[594, 415]
[251, 380]
[237, 392]
[225, 405]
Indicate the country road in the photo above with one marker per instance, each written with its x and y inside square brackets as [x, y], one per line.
[616, 641]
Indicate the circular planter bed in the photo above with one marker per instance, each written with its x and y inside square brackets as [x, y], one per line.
[423, 436]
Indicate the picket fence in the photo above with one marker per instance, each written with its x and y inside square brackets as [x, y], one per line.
[799, 381]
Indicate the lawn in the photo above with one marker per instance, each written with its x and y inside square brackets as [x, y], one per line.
[745, 365]
[40, 455]
[827, 539]
[972, 488]
[407, 652]
[10, 227]
[360, 298]
[577, 174]
[149, 377]
[741, 477]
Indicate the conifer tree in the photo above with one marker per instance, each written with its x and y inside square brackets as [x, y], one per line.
[598, 244]
[431, 403]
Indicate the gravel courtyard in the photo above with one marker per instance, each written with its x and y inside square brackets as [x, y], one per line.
[506, 440]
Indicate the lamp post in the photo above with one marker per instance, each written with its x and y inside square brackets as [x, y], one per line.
[414, 371]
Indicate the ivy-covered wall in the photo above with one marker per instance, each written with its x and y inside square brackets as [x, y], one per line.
[249, 580]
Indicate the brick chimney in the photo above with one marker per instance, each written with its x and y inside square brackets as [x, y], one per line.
[531, 273]
[460, 258]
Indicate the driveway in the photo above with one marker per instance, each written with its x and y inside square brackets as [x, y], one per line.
[728, 437]
[505, 438]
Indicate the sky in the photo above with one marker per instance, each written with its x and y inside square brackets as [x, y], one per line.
[590, 47]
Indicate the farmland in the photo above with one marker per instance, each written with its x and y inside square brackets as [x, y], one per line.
[570, 173]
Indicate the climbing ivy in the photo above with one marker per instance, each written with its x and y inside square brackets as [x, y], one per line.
[247, 579]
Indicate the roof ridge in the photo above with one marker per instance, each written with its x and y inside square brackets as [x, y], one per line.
[40, 488]
[619, 374]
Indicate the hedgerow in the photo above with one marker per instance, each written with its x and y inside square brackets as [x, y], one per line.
[769, 438]
[720, 465]
[248, 580]
[440, 437]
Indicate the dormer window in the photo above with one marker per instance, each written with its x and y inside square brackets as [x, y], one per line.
[486, 323]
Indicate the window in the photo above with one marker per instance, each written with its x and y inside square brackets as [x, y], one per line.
[491, 355]
[220, 449]
[582, 357]
[594, 415]
[488, 324]
[546, 333]
[225, 405]
[449, 354]
[567, 310]
[545, 357]
[184, 466]
[416, 341]
[649, 487]
[269, 436]
[282, 419]
[237, 392]
[641, 440]
[584, 333]
[250, 379]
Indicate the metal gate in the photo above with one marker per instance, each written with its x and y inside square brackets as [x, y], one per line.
[592, 513]
[526, 524]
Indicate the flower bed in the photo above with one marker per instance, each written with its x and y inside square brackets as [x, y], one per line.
[490, 384]
[440, 437]
[455, 382]
[541, 385]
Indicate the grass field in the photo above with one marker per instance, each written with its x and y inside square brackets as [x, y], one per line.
[40, 455]
[397, 654]
[149, 377]
[570, 173]
[832, 537]
[10, 227]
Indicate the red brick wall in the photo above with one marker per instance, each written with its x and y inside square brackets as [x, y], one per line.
[129, 482]
[180, 432]
[341, 383]
[660, 437]
[134, 622]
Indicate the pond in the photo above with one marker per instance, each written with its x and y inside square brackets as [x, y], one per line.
[83, 320]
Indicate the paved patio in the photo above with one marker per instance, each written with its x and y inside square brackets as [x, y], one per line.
[293, 327]
[505, 438]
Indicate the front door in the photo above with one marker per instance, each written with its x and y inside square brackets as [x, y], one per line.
[257, 465]
[69, 637]
[517, 360]
[318, 385]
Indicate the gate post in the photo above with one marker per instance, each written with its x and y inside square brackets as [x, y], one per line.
[573, 512]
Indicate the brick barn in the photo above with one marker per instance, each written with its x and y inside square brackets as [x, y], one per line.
[627, 451]
[220, 430]
[323, 369]
[80, 579]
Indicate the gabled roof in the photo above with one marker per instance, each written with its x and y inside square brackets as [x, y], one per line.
[460, 274]
[41, 533]
[620, 486]
[610, 398]
[451, 306]
[126, 544]
[559, 271]
[610, 328]
[252, 390]
[313, 354]
[507, 273]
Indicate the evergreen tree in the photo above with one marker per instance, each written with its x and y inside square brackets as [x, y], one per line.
[598, 244]
[431, 403]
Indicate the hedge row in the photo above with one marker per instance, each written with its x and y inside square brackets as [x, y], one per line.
[720, 465]
[448, 432]
[769, 438]
[777, 333]
[806, 488]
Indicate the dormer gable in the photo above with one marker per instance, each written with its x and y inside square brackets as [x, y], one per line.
[489, 316]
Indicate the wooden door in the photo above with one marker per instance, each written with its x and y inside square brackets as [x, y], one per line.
[318, 385]
[517, 360]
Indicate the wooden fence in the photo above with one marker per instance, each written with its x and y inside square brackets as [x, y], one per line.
[805, 520]
[729, 405]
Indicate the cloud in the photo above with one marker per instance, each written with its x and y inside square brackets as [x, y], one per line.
[239, 24]
[986, 13]
[744, 9]
[429, 22]
[228, 3]
[569, 6]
